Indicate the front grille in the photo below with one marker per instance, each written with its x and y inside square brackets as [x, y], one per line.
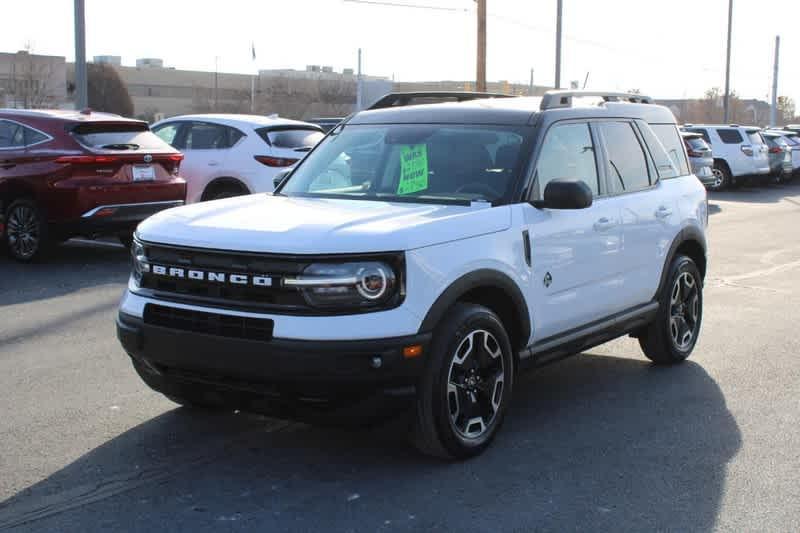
[210, 323]
[274, 297]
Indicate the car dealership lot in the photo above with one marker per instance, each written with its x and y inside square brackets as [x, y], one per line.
[601, 441]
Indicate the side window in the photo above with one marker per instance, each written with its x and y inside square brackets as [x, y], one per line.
[233, 136]
[702, 132]
[34, 137]
[730, 136]
[168, 132]
[12, 135]
[673, 144]
[627, 166]
[567, 152]
[206, 136]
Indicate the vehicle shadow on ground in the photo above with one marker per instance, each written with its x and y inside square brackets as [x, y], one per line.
[69, 267]
[593, 443]
[759, 194]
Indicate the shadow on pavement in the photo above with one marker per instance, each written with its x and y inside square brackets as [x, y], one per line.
[592, 443]
[69, 267]
[760, 194]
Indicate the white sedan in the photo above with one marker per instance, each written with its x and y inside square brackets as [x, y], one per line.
[230, 155]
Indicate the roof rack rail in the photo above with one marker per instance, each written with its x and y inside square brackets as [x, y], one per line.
[406, 99]
[558, 99]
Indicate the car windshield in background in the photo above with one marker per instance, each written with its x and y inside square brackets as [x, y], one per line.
[417, 163]
[696, 143]
[119, 137]
[295, 138]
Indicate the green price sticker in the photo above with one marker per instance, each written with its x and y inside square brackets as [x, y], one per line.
[413, 169]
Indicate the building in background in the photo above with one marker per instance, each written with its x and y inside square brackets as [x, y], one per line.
[32, 80]
[110, 60]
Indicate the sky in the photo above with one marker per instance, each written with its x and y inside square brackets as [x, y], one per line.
[665, 48]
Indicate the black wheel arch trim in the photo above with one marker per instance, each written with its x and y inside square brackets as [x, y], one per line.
[482, 278]
[687, 234]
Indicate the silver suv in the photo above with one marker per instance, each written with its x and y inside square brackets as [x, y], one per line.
[739, 152]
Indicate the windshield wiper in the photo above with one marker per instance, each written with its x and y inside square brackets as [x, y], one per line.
[121, 146]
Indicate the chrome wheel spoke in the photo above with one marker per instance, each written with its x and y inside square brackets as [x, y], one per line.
[684, 310]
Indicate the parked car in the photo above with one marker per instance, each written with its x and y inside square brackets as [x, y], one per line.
[326, 123]
[486, 237]
[780, 156]
[701, 160]
[69, 173]
[739, 152]
[231, 155]
[793, 141]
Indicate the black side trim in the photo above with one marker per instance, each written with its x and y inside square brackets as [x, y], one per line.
[578, 339]
[689, 233]
[479, 278]
[526, 246]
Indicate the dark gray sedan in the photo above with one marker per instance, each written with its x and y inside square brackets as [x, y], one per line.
[702, 161]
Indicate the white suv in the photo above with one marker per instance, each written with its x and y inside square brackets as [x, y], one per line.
[230, 155]
[459, 243]
[739, 152]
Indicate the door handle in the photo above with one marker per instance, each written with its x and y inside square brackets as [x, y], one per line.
[604, 224]
[663, 212]
[7, 164]
[213, 163]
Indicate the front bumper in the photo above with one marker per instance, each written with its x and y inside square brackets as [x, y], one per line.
[292, 367]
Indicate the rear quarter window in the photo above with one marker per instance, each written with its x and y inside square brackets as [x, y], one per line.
[755, 137]
[730, 136]
[672, 143]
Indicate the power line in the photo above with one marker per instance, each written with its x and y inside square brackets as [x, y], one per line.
[414, 6]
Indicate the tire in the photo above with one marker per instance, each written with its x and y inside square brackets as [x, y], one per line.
[672, 335]
[470, 363]
[26, 233]
[223, 191]
[723, 176]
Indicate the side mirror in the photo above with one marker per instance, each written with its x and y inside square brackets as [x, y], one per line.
[280, 177]
[564, 193]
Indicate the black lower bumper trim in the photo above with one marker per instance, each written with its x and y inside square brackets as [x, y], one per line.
[276, 364]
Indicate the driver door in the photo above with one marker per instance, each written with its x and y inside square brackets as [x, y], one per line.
[575, 254]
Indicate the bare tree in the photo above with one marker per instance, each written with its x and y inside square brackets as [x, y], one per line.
[107, 91]
[30, 81]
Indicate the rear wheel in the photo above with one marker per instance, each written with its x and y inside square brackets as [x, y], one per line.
[223, 189]
[466, 389]
[671, 337]
[722, 176]
[26, 230]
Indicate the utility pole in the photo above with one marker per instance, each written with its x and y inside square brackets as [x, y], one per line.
[773, 111]
[81, 92]
[530, 87]
[216, 82]
[559, 10]
[480, 78]
[726, 98]
[359, 85]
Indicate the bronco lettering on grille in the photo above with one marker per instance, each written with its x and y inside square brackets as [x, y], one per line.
[215, 277]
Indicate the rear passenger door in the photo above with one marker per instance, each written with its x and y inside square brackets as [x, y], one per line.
[648, 211]
[575, 254]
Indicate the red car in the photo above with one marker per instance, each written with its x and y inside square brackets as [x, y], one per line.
[70, 173]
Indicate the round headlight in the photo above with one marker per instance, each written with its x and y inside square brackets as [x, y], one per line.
[372, 282]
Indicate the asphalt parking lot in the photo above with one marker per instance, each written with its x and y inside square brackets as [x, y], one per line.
[603, 441]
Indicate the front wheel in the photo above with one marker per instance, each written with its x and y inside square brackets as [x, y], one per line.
[671, 337]
[464, 394]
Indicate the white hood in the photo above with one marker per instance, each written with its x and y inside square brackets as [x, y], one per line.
[279, 224]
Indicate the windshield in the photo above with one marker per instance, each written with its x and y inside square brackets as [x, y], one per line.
[416, 163]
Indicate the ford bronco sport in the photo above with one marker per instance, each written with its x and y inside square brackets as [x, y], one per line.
[428, 252]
